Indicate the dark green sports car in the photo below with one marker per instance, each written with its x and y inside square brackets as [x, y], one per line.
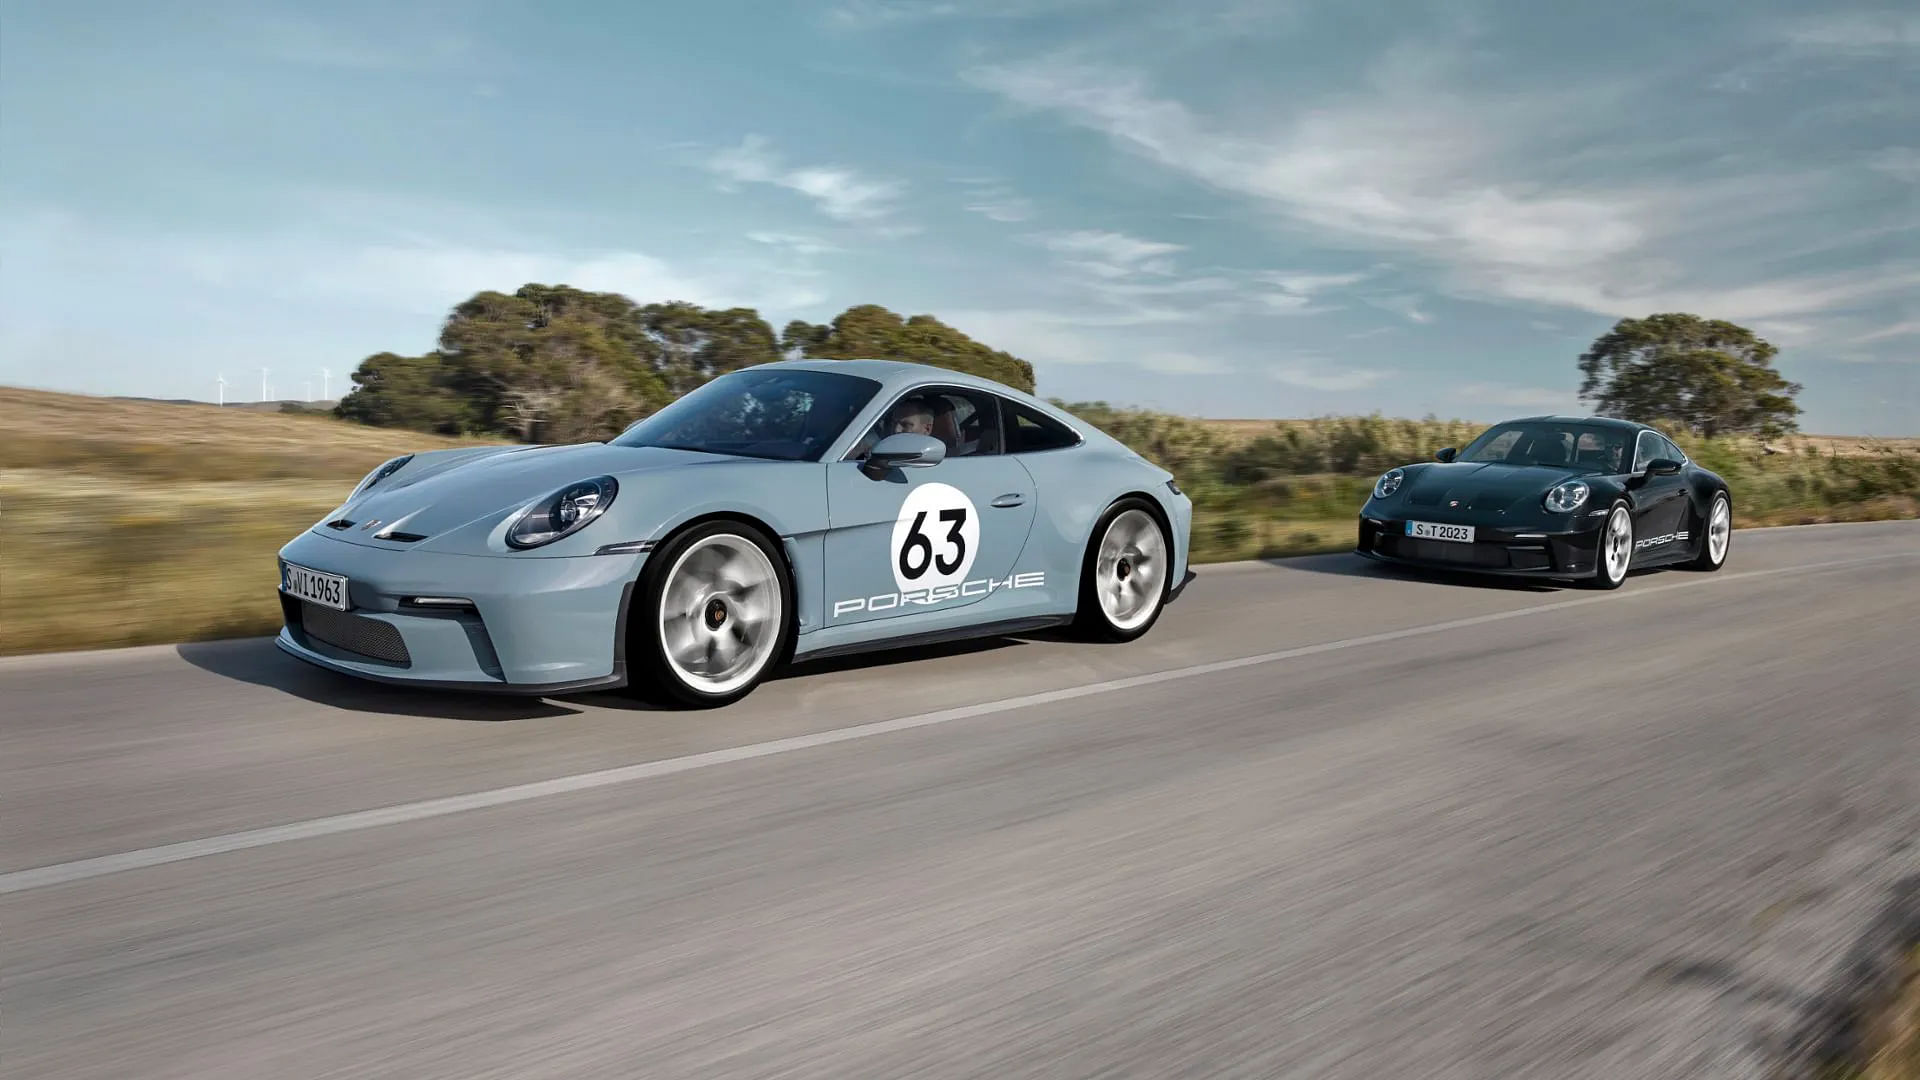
[1587, 498]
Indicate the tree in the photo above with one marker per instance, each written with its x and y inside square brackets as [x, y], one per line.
[871, 332]
[1712, 376]
[694, 344]
[404, 392]
[552, 363]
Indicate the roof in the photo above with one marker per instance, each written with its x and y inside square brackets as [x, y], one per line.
[1602, 421]
[895, 372]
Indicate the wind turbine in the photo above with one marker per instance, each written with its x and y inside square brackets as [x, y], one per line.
[309, 389]
[263, 385]
[326, 384]
[221, 381]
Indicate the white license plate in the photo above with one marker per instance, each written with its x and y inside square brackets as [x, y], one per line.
[326, 589]
[1427, 530]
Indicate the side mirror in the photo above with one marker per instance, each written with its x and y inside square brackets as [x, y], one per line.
[1662, 467]
[904, 451]
[1445, 454]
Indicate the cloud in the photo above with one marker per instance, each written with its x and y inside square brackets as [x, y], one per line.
[1899, 162]
[996, 201]
[1519, 397]
[880, 14]
[1855, 33]
[1459, 184]
[1313, 377]
[840, 193]
[420, 277]
[1174, 362]
[1111, 254]
[1905, 328]
[1301, 284]
[1406, 306]
[794, 242]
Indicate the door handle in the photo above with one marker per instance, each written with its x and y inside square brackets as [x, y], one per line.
[1011, 498]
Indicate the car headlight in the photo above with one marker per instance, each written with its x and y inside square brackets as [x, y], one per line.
[380, 474]
[1566, 497]
[562, 513]
[1388, 483]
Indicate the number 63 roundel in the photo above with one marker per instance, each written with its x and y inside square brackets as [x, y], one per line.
[934, 538]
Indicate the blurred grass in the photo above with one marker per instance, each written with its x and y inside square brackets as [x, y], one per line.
[1269, 488]
[134, 523]
[129, 523]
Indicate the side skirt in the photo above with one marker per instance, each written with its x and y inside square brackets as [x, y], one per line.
[936, 637]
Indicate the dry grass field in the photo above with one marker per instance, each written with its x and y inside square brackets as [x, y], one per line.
[129, 523]
[135, 522]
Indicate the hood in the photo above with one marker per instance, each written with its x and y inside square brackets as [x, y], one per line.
[1481, 486]
[441, 499]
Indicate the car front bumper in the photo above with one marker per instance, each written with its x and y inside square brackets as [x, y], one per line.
[1521, 551]
[530, 626]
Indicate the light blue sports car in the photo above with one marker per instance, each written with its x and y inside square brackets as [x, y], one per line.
[787, 511]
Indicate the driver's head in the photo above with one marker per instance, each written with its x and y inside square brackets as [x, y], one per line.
[911, 417]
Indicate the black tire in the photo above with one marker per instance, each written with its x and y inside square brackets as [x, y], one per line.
[1704, 559]
[1618, 517]
[654, 676]
[1091, 619]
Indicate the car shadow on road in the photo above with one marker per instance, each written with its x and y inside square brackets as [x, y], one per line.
[813, 669]
[259, 662]
[1347, 564]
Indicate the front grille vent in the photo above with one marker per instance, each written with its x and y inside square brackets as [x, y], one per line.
[401, 537]
[339, 523]
[354, 633]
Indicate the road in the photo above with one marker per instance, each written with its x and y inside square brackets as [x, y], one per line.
[1327, 820]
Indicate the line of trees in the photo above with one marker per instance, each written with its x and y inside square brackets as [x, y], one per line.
[551, 363]
[555, 364]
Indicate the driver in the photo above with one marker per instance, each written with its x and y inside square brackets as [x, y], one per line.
[911, 416]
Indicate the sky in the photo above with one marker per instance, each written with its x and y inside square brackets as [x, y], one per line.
[1215, 207]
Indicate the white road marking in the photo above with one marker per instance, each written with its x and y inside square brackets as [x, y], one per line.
[81, 869]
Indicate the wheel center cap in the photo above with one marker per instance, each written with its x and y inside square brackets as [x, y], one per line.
[716, 614]
[1123, 569]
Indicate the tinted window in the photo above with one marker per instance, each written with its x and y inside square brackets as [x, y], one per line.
[965, 420]
[1669, 450]
[1645, 449]
[757, 412]
[1029, 430]
[1559, 444]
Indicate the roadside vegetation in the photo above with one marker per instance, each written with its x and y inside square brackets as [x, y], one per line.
[126, 523]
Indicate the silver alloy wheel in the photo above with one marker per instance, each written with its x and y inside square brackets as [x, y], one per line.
[720, 613]
[1719, 530]
[1618, 543]
[1131, 569]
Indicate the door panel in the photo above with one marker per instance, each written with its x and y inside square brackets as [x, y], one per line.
[924, 540]
[1660, 504]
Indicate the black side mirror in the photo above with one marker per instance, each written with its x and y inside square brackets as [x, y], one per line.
[1445, 454]
[905, 450]
[1662, 467]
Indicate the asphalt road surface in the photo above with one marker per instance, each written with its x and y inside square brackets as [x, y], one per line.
[1326, 820]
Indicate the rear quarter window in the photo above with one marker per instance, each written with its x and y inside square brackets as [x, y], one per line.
[1028, 431]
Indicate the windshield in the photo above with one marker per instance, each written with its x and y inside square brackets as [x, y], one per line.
[1584, 447]
[784, 415]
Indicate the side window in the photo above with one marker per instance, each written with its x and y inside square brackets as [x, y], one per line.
[1644, 450]
[1029, 430]
[1668, 450]
[966, 420]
